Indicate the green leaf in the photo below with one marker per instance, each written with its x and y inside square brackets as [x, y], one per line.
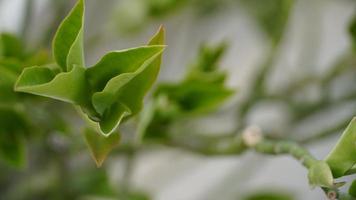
[206, 67]
[12, 121]
[147, 75]
[320, 174]
[195, 97]
[352, 31]
[11, 46]
[342, 157]
[66, 86]
[68, 41]
[7, 81]
[209, 56]
[201, 91]
[352, 189]
[13, 126]
[99, 145]
[12, 64]
[119, 62]
[12, 148]
[112, 117]
[123, 94]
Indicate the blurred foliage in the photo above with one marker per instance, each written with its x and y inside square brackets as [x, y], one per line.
[272, 15]
[352, 189]
[269, 195]
[132, 15]
[15, 121]
[352, 30]
[201, 91]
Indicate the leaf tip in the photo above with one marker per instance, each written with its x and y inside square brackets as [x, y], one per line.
[159, 37]
[100, 146]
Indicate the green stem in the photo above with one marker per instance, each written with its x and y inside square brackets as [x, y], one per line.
[211, 145]
[128, 169]
[286, 147]
[265, 146]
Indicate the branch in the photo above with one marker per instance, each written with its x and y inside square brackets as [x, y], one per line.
[251, 139]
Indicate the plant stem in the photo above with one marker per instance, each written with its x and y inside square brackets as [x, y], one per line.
[128, 169]
[286, 147]
[265, 146]
[211, 145]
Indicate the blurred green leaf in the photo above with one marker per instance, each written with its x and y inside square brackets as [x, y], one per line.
[352, 31]
[271, 15]
[7, 81]
[159, 8]
[13, 127]
[99, 145]
[86, 182]
[352, 189]
[134, 196]
[194, 97]
[269, 196]
[320, 175]
[201, 91]
[342, 157]
[11, 46]
[203, 88]
[12, 149]
[12, 121]
[206, 67]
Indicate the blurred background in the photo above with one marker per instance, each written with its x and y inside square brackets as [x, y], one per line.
[290, 64]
